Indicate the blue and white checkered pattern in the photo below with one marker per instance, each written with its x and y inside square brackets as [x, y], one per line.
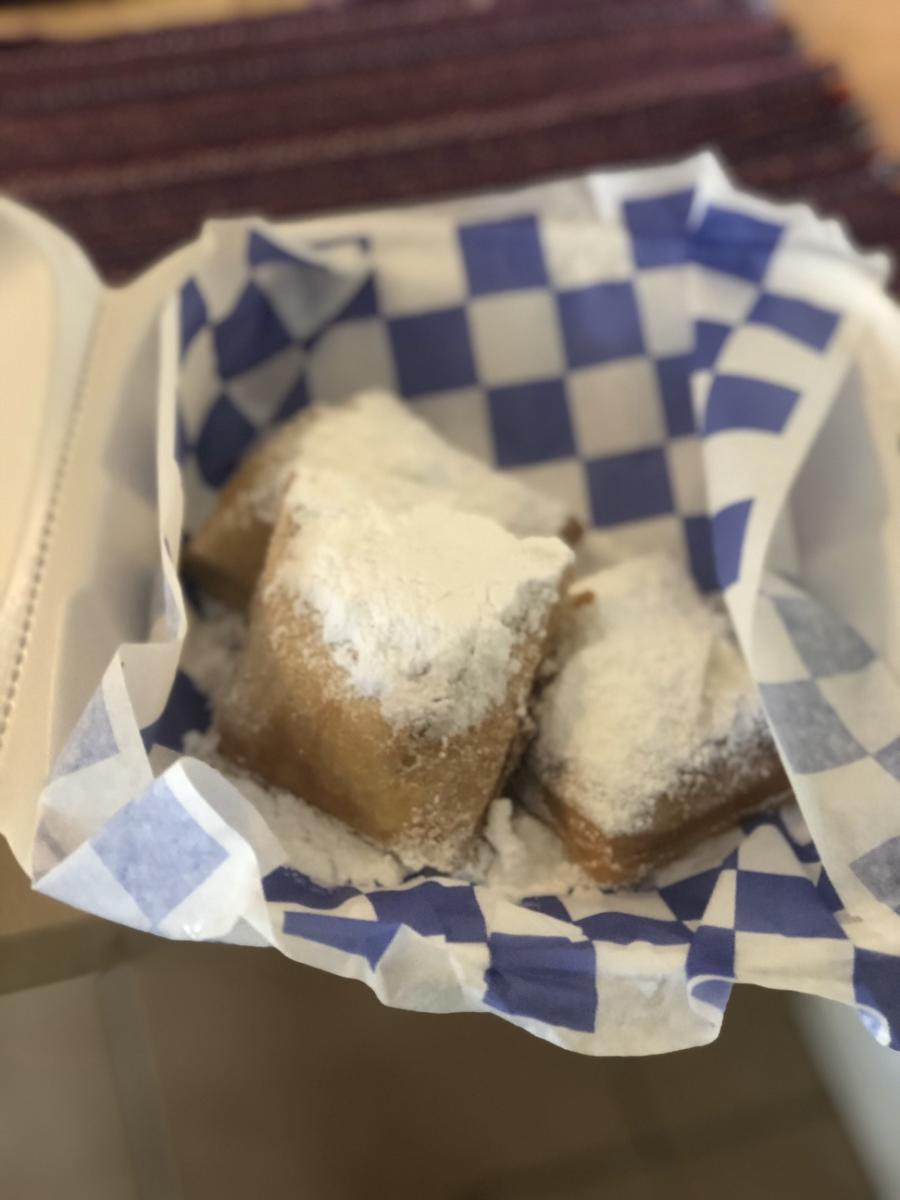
[654, 369]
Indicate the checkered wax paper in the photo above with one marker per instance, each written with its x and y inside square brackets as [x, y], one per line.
[689, 368]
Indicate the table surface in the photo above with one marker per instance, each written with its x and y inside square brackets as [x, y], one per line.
[42, 940]
[862, 35]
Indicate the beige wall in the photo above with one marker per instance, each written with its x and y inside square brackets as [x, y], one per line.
[864, 37]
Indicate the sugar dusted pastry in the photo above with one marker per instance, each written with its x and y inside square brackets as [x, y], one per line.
[226, 555]
[650, 738]
[377, 440]
[389, 660]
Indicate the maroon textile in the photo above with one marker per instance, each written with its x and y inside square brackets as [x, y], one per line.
[130, 142]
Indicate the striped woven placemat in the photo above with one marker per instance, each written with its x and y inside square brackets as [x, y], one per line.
[130, 142]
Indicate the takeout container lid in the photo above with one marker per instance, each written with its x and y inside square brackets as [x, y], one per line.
[83, 566]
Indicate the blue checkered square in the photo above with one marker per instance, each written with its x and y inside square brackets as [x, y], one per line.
[709, 338]
[826, 645]
[827, 893]
[193, 314]
[811, 734]
[157, 851]
[658, 228]
[550, 906]
[433, 909]
[889, 758]
[369, 939]
[698, 532]
[735, 243]
[545, 978]
[740, 402]
[502, 256]
[728, 528]
[688, 898]
[783, 904]
[712, 952]
[623, 928]
[629, 487]
[261, 249]
[432, 352]
[805, 322]
[530, 422]
[249, 335]
[879, 870]
[876, 983]
[224, 439]
[715, 545]
[713, 991]
[674, 377]
[182, 443]
[600, 324]
[92, 740]
[285, 885]
[187, 709]
[363, 305]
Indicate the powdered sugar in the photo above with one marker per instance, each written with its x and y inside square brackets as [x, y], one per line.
[423, 608]
[319, 845]
[517, 853]
[376, 439]
[652, 685]
[653, 688]
[521, 856]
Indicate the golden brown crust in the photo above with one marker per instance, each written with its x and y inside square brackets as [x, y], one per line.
[226, 555]
[683, 820]
[293, 719]
[226, 562]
